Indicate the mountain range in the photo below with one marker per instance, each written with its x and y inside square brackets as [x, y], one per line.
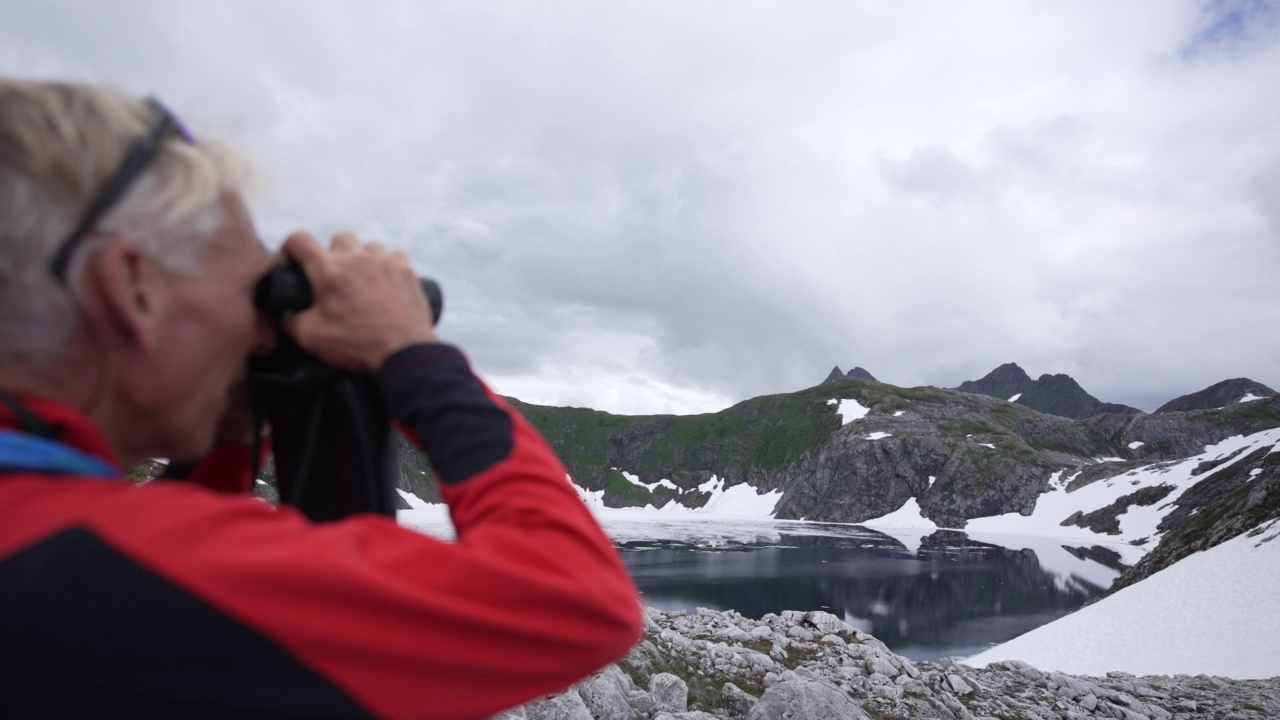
[854, 449]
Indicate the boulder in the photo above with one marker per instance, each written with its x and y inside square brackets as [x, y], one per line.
[735, 702]
[669, 692]
[827, 624]
[809, 699]
[606, 695]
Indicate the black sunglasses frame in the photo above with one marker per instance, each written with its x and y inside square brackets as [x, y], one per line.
[142, 153]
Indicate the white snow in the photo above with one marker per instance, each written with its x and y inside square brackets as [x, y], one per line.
[1256, 471]
[1135, 524]
[988, 445]
[850, 410]
[899, 413]
[907, 516]
[1136, 444]
[1015, 397]
[1212, 612]
[1108, 459]
[906, 524]
[1249, 398]
[414, 501]
[877, 436]
[635, 480]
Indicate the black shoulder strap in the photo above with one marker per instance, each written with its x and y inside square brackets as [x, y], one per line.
[28, 420]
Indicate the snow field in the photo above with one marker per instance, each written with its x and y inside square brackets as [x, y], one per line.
[1212, 612]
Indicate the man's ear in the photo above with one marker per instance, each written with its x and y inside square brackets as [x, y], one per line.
[130, 290]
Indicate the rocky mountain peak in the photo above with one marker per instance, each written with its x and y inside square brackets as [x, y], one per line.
[1004, 382]
[1057, 394]
[856, 373]
[1218, 395]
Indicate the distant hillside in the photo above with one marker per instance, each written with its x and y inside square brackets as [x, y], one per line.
[856, 374]
[961, 455]
[1051, 394]
[1219, 395]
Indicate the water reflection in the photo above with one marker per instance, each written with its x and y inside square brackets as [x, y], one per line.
[954, 595]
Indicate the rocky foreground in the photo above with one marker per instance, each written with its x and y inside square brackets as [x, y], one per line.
[801, 666]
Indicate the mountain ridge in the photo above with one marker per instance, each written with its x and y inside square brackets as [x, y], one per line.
[1057, 394]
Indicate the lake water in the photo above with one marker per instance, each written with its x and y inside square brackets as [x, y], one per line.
[925, 595]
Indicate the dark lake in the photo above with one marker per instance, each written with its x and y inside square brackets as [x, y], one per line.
[925, 595]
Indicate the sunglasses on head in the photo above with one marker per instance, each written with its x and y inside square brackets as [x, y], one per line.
[141, 154]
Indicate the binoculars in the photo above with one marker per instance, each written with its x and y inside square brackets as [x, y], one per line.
[331, 433]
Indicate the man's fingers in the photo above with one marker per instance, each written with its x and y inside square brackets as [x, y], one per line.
[302, 246]
[344, 242]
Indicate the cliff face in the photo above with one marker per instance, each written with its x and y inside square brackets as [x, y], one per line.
[986, 456]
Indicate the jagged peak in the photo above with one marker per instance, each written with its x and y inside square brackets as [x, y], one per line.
[858, 373]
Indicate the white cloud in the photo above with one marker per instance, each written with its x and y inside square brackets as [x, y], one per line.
[753, 192]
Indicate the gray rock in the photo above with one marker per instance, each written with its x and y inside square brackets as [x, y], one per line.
[880, 664]
[799, 633]
[565, 706]
[734, 702]
[606, 694]
[669, 692]
[641, 701]
[827, 624]
[808, 699]
[958, 685]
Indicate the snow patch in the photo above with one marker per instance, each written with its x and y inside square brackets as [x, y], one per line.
[877, 436]
[1137, 522]
[1249, 398]
[906, 525]
[899, 413]
[635, 480]
[1136, 444]
[988, 445]
[907, 516]
[415, 502]
[851, 410]
[1108, 459]
[1015, 397]
[1161, 625]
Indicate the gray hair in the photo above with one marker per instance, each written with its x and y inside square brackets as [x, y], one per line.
[60, 143]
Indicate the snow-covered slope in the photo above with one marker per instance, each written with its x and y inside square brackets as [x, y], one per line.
[1214, 612]
[1137, 524]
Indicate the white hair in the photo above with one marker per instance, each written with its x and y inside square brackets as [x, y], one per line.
[60, 143]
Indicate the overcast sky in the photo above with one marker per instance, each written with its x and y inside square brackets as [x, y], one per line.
[673, 206]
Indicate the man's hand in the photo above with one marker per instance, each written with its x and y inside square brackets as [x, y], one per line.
[368, 302]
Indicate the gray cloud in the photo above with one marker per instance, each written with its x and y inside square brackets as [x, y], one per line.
[673, 206]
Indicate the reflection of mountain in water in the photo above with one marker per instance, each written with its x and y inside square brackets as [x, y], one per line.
[952, 597]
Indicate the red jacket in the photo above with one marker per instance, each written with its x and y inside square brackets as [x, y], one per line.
[172, 599]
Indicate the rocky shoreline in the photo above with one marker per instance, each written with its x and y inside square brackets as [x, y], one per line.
[803, 666]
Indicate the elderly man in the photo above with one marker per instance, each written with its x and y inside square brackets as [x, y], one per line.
[127, 264]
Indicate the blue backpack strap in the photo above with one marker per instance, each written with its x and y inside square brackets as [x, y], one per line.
[21, 451]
